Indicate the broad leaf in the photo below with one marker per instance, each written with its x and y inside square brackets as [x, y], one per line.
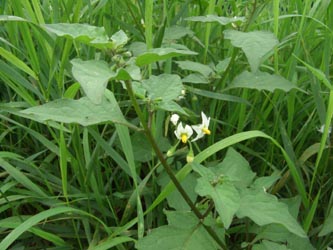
[268, 245]
[213, 18]
[222, 65]
[176, 32]
[171, 106]
[142, 149]
[265, 209]
[220, 190]
[132, 71]
[119, 38]
[266, 182]
[196, 67]
[184, 232]
[255, 44]
[278, 233]
[93, 77]
[81, 32]
[165, 87]
[262, 81]
[159, 54]
[81, 111]
[175, 200]
[236, 168]
[138, 89]
[195, 78]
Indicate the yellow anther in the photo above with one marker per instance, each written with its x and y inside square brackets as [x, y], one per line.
[184, 138]
[206, 131]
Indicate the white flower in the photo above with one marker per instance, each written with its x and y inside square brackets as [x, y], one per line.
[174, 119]
[202, 129]
[183, 133]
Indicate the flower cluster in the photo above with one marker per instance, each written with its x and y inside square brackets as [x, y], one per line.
[183, 133]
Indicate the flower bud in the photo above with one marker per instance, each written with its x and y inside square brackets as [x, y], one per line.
[174, 119]
[172, 150]
[190, 155]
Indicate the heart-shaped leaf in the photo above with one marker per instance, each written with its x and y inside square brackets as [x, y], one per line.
[255, 44]
[220, 190]
[93, 77]
[262, 81]
[165, 87]
[81, 111]
[265, 209]
[80, 32]
[159, 54]
[184, 232]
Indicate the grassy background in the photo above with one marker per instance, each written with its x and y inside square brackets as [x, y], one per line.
[45, 167]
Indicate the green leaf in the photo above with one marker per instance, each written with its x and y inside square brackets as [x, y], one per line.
[217, 95]
[35, 219]
[72, 90]
[222, 65]
[111, 242]
[171, 106]
[236, 168]
[221, 190]
[268, 245]
[222, 144]
[185, 232]
[213, 18]
[176, 32]
[195, 66]
[80, 32]
[328, 225]
[255, 44]
[165, 87]
[142, 149]
[8, 18]
[119, 38]
[262, 81]
[159, 54]
[278, 233]
[195, 78]
[17, 62]
[266, 182]
[15, 221]
[138, 89]
[81, 111]
[132, 71]
[93, 76]
[175, 200]
[264, 209]
[318, 73]
[21, 178]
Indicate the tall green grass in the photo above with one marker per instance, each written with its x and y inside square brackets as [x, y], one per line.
[65, 186]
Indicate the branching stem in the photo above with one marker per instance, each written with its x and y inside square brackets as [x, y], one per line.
[167, 167]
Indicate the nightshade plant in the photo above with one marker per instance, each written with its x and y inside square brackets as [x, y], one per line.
[207, 194]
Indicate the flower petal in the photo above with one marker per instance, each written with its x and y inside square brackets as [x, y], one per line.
[188, 130]
[174, 119]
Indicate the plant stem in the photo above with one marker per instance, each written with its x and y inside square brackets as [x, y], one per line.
[167, 167]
